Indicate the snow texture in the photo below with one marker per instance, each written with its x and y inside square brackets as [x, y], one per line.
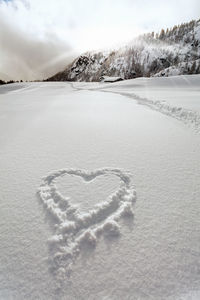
[186, 116]
[73, 229]
[77, 238]
[135, 89]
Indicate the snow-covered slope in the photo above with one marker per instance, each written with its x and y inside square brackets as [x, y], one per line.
[100, 190]
[177, 97]
[172, 52]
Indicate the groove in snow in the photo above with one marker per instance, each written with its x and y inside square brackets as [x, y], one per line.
[74, 229]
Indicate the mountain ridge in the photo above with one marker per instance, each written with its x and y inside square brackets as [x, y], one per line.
[174, 51]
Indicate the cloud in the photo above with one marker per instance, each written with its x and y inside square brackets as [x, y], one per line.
[39, 38]
[29, 56]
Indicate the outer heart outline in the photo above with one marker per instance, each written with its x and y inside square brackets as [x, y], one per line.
[73, 228]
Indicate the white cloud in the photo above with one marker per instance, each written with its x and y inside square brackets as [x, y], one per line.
[37, 37]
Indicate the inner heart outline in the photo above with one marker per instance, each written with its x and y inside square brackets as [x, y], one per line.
[74, 229]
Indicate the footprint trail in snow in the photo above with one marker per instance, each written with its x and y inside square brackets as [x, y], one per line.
[74, 229]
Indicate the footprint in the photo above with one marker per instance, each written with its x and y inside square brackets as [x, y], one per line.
[75, 229]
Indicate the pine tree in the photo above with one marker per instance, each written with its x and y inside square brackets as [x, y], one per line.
[193, 68]
[162, 34]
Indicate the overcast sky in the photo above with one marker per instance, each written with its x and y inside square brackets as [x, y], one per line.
[40, 37]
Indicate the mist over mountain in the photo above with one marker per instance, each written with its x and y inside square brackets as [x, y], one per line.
[173, 51]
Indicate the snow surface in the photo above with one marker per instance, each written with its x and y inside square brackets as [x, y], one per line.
[100, 195]
[177, 97]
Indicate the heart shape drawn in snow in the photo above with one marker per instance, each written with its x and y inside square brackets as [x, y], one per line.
[74, 229]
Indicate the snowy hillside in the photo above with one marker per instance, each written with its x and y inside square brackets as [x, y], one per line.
[171, 52]
[100, 190]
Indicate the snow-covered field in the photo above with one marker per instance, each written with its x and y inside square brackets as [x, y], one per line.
[99, 189]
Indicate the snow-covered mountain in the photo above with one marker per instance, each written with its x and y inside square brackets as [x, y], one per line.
[171, 52]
